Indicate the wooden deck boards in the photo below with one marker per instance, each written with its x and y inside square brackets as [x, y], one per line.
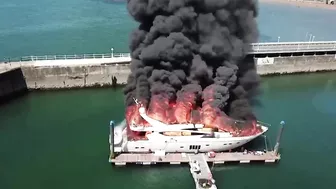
[177, 158]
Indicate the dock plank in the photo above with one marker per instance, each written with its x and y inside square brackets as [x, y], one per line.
[204, 172]
[174, 158]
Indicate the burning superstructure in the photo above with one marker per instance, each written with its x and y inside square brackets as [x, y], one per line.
[171, 115]
[189, 64]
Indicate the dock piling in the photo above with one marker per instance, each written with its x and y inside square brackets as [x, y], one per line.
[112, 139]
[277, 144]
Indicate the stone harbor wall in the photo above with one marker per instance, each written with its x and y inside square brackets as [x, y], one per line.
[99, 75]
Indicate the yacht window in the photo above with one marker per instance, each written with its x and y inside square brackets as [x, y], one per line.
[225, 144]
[230, 143]
[207, 145]
[194, 147]
[238, 142]
[142, 147]
[181, 146]
[136, 147]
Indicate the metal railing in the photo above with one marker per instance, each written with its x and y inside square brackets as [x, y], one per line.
[291, 47]
[69, 57]
[256, 48]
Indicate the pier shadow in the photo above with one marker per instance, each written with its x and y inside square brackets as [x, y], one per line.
[10, 98]
[151, 166]
[232, 166]
[12, 85]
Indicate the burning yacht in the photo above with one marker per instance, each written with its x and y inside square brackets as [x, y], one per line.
[187, 137]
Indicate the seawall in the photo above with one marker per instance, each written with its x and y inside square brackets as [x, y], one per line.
[12, 84]
[77, 76]
[295, 64]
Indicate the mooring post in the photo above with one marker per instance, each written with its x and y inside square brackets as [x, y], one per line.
[112, 138]
[277, 144]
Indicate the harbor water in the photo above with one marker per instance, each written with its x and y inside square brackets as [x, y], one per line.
[48, 27]
[59, 139]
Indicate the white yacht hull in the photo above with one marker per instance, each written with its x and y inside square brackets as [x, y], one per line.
[175, 145]
[171, 144]
[158, 140]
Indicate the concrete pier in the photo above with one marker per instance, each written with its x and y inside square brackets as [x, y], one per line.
[295, 64]
[81, 71]
[73, 76]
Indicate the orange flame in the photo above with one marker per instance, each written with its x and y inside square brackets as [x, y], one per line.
[186, 111]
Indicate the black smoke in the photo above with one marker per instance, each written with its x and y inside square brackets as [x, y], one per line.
[197, 46]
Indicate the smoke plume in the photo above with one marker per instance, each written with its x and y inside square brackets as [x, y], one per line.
[190, 56]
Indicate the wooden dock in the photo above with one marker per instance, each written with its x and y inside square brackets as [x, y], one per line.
[201, 173]
[178, 158]
[202, 176]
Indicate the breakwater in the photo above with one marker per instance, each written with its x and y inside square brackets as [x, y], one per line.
[111, 69]
[12, 83]
[295, 64]
[80, 76]
[76, 76]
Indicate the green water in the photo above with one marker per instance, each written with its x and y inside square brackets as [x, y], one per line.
[40, 27]
[60, 140]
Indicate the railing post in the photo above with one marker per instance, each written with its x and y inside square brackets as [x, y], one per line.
[112, 139]
[277, 145]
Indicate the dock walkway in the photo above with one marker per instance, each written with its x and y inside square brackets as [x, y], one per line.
[178, 158]
[204, 174]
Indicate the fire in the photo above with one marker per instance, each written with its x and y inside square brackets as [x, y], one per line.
[185, 110]
[184, 107]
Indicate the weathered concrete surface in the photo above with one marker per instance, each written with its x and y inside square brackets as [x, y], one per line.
[287, 65]
[75, 76]
[55, 77]
[12, 83]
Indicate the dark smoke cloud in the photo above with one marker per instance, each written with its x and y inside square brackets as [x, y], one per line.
[196, 46]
